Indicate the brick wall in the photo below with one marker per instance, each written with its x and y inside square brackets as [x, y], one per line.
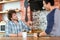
[0, 13]
[23, 12]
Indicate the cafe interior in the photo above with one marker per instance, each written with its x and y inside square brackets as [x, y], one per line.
[31, 12]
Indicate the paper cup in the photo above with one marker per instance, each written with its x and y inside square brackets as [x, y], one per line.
[24, 34]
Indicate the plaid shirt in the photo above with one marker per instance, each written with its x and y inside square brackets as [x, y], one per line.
[12, 28]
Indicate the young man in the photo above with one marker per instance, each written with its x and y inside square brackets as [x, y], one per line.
[53, 24]
[14, 27]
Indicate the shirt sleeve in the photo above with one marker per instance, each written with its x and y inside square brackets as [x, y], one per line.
[49, 27]
[50, 21]
[25, 27]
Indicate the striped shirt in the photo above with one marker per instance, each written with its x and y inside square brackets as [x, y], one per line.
[12, 28]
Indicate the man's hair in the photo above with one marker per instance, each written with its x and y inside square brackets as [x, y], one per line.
[10, 12]
[49, 1]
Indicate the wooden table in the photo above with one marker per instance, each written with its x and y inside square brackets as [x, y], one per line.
[30, 38]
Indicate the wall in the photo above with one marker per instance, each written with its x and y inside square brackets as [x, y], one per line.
[12, 5]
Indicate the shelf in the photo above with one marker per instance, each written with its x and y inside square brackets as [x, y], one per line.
[2, 23]
[3, 12]
[8, 1]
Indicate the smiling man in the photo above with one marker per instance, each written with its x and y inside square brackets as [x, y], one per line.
[14, 27]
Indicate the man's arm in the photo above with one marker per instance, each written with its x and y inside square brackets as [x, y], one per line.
[25, 27]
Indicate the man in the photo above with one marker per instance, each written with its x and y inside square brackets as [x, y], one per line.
[14, 27]
[53, 24]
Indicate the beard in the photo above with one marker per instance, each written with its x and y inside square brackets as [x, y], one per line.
[15, 19]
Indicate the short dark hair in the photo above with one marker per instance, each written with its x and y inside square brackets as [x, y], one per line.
[49, 1]
[10, 12]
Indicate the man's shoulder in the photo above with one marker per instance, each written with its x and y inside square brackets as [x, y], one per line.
[9, 22]
[20, 21]
[52, 12]
[57, 11]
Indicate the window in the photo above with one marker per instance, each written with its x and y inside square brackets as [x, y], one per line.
[2, 28]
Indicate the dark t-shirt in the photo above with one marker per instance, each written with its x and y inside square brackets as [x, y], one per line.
[36, 5]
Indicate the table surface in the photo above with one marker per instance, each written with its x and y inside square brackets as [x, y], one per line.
[30, 38]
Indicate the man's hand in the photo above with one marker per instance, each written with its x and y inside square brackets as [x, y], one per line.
[41, 34]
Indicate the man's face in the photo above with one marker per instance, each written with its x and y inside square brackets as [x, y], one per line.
[46, 6]
[14, 16]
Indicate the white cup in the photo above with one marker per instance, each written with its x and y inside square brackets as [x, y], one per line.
[24, 34]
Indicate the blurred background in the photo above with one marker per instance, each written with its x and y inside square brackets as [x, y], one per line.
[31, 12]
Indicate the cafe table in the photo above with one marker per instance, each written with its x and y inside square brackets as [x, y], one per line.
[30, 38]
